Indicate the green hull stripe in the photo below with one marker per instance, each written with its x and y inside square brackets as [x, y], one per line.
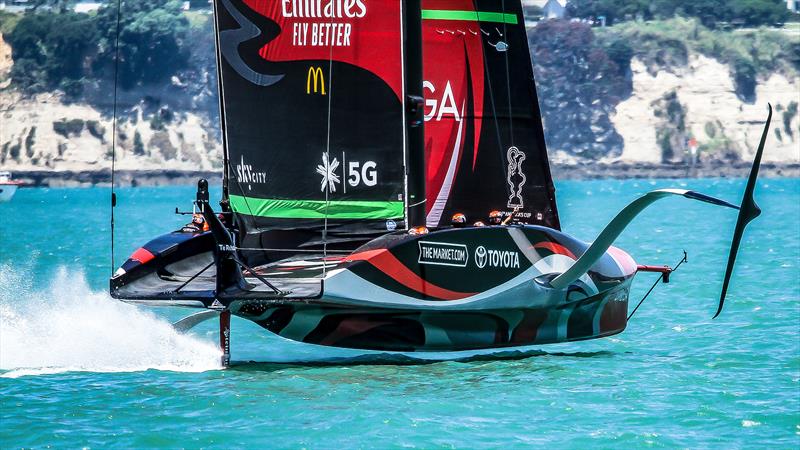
[316, 209]
[473, 16]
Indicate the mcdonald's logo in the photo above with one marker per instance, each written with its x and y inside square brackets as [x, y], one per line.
[315, 74]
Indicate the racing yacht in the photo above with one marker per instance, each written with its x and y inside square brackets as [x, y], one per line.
[353, 131]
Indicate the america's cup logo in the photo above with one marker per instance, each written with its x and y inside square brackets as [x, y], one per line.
[516, 178]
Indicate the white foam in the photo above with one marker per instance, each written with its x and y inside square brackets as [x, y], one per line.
[69, 327]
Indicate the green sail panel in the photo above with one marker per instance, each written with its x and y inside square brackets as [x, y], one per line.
[473, 16]
[317, 209]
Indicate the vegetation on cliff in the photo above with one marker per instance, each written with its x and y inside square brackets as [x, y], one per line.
[749, 53]
[711, 13]
[583, 73]
[166, 63]
[73, 52]
[580, 80]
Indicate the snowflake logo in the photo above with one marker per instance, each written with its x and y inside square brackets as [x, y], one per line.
[328, 171]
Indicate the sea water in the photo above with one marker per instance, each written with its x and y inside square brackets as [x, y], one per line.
[78, 369]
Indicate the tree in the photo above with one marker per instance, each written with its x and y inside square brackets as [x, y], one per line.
[612, 10]
[710, 12]
[56, 5]
[152, 38]
[579, 87]
[760, 12]
[50, 48]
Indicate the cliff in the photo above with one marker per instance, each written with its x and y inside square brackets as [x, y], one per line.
[644, 111]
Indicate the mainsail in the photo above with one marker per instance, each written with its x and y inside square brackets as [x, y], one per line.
[313, 120]
[313, 97]
[484, 142]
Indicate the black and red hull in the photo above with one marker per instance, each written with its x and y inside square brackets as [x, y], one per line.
[450, 290]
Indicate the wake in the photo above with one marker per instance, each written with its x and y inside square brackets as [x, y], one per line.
[68, 327]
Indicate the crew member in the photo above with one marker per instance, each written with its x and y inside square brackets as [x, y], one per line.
[418, 231]
[495, 218]
[479, 224]
[197, 224]
[458, 220]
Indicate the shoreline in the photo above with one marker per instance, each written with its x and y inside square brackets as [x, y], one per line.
[560, 172]
[623, 170]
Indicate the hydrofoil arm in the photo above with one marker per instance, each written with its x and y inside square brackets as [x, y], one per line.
[618, 224]
[748, 211]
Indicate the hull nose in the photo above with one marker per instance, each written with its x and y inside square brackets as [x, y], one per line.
[625, 262]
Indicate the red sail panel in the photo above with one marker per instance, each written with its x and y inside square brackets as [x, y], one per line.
[453, 70]
[484, 142]
[364, 33]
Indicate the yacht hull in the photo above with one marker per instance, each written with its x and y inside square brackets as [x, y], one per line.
[441, 330]
[450, 290]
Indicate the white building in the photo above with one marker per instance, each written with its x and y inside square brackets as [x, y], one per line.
[86, 6]
[551, 9]
[15, 5]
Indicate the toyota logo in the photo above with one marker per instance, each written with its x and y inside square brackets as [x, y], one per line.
[480, 257]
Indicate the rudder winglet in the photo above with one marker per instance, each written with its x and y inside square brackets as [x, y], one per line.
[748, 211]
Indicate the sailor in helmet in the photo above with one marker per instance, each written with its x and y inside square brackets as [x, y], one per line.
[458, 220]
[197, 224]
[495, 218]
[417, 231]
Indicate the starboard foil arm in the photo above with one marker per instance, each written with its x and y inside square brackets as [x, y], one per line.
[618, 225]
[747, 212]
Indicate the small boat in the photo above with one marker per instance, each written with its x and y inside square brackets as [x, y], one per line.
[386, 187]
[8, 187]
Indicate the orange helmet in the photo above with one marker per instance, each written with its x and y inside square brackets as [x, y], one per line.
[418, 231]
[495, 217]
[458, 220]
[200, 222]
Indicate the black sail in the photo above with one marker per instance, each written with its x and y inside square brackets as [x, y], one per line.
[313, 120]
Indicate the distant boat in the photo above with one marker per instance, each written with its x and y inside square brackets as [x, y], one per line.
[8, 187]
[358, 139]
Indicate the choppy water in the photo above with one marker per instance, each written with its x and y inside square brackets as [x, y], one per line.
[78, 369]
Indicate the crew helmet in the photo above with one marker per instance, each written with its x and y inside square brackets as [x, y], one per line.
[495, 218]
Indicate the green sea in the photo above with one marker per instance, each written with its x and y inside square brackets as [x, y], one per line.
[80, 370]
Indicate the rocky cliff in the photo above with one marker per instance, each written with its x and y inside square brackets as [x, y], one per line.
[653, 118]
